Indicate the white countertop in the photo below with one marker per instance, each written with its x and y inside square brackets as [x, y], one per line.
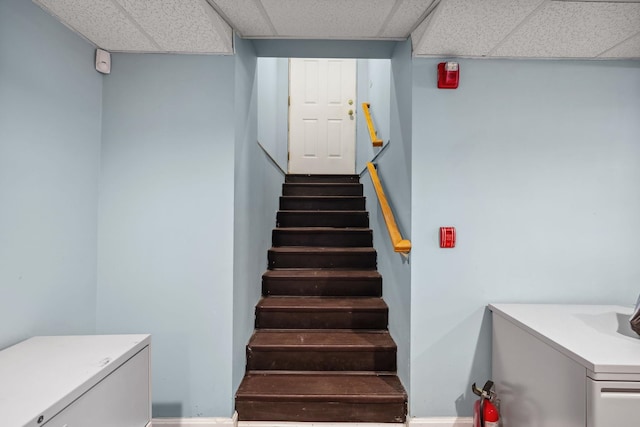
[596, 336]
[43, 375]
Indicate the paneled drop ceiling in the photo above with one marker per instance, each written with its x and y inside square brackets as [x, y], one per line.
[451, 28]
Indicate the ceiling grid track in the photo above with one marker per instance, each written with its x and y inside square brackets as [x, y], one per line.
[64, 22]
[436, 11]
[218, 22]
[520, 25]
[545, 29]
[617, 44]
[390, 15]
[224, 17]
[137, 25]
[265, 15]
[424, 16]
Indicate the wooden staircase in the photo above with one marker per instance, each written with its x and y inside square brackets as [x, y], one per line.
[321, 350]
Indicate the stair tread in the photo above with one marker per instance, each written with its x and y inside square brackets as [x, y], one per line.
[323, 184]
[323, 229]
[317, 175]
[320, 176]
[323, 212]
[322, 197]
[311, 274]
[328, 386]
[295, 303]
[322, 249]
[322, 340]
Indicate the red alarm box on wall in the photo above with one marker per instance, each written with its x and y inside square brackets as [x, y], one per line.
[448, 75]
[447, 237]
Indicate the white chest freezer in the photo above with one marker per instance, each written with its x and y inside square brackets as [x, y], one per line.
[566, 365]
[76, 381]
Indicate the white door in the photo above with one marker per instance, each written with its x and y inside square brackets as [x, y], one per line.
[322, 123]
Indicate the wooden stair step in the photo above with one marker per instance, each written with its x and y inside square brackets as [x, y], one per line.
[322, 282]
[319, 203]
[322, 313]
[325, 218]
[321, 340]
[322, 304]
[322, 236]
[304, 397]
[321, 350]
[321, 178]
[322, 257]
[322, 189]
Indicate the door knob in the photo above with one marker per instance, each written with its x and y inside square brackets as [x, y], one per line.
[351, 102]
[351, 112]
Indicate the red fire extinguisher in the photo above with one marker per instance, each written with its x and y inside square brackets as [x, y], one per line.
[485, 410]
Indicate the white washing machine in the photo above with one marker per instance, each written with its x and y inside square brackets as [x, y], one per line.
[566, 365]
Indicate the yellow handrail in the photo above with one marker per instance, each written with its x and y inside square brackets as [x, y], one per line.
[399, 244]
[377, 142]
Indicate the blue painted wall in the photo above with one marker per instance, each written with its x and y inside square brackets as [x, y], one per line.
[50, 106]
[166, 240]
[535, 162]
[257, 184]
[394, 170]
[273, 108]
[374, 87]
[537, 165]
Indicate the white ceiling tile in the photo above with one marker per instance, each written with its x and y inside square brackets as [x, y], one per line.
[473, 27]
[181, 25]
[630, 48]
[102, 22]
[405, 18]
[602, 1]
[246, 17]
[418, 33]
[573, 30]
[336, 19]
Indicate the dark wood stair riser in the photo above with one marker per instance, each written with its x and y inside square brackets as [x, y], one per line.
[321, 351]
[338, 203]
[322, 178]
[330, 397]
[322, 286]
[321, 319]
[322, 237]
[322, 219]
[319, 259]
[299, 189]
[292, 360]
[321, 411]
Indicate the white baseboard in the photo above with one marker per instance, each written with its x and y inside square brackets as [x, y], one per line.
[195, 422]
[233, 422]
[440, 422]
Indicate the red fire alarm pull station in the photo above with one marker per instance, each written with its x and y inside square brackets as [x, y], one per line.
[448, 75]
[447, 237]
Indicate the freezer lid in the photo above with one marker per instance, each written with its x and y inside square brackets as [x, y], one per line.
[596, 336]
[43, 375]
